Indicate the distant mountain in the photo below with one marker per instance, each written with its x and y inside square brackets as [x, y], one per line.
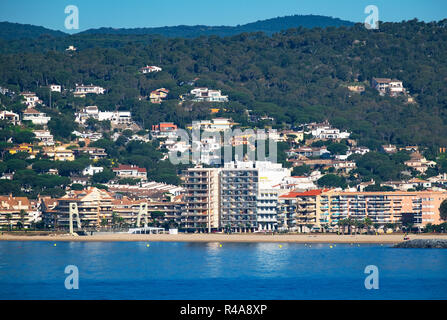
[269, 26]
[13, 31]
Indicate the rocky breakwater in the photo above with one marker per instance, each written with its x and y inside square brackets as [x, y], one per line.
[423, 243]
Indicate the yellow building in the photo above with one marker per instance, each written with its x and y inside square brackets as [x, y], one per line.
[24, 147]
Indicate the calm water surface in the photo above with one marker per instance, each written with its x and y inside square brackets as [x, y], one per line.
[195, 271]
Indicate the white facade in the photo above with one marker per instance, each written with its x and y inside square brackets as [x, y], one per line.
[327, 132]
[55, 88]
[115, 117]
[44, 136]
[31, 99]
[35, 116]
[205, 94]
[82, 90]
[10, 116]
[91, 170]
[217, 124]
[150, 69]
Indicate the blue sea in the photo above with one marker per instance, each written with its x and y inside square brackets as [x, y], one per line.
[203, 271]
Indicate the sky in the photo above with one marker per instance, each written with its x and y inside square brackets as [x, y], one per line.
[157, 13]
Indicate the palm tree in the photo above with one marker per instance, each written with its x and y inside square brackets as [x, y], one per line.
[368, 223]
[22, 217]
[8, 218]
[342, 223]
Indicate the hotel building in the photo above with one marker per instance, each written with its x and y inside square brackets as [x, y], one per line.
[202, 199]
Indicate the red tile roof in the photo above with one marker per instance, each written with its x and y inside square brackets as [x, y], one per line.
[309, 193]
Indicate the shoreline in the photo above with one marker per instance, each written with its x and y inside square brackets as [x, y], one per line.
[237, 238]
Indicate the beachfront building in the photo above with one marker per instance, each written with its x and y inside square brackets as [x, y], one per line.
[16, 211]
[316, 209]
[94, 207]
[302, 211]
[239, 183]
[201, 197]
[267, 206]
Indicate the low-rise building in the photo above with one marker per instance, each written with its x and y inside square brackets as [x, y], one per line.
[10, 116]
[130, 171]
[92, 152]
[59, 153]
[55, 88]
[150, 69]
[82, 90]
[388, 86]
[158, 95]
[207, 95]
[45, 137]
[36, 117]
[92, 170]
[31, 99]
[18, 210]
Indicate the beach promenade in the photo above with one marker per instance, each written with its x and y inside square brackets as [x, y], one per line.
[287, 238]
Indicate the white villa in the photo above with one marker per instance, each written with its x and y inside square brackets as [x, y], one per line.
[150, 69]
[10, 116]
[115, 117]
[31, 99]
[55, 88]
[205, 94]
[82, 90]
[45, 137]
[35, 116]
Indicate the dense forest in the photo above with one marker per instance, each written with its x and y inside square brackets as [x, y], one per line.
[296, 76]
[268, 26]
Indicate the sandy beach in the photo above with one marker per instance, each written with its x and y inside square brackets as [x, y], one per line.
[298, 238]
